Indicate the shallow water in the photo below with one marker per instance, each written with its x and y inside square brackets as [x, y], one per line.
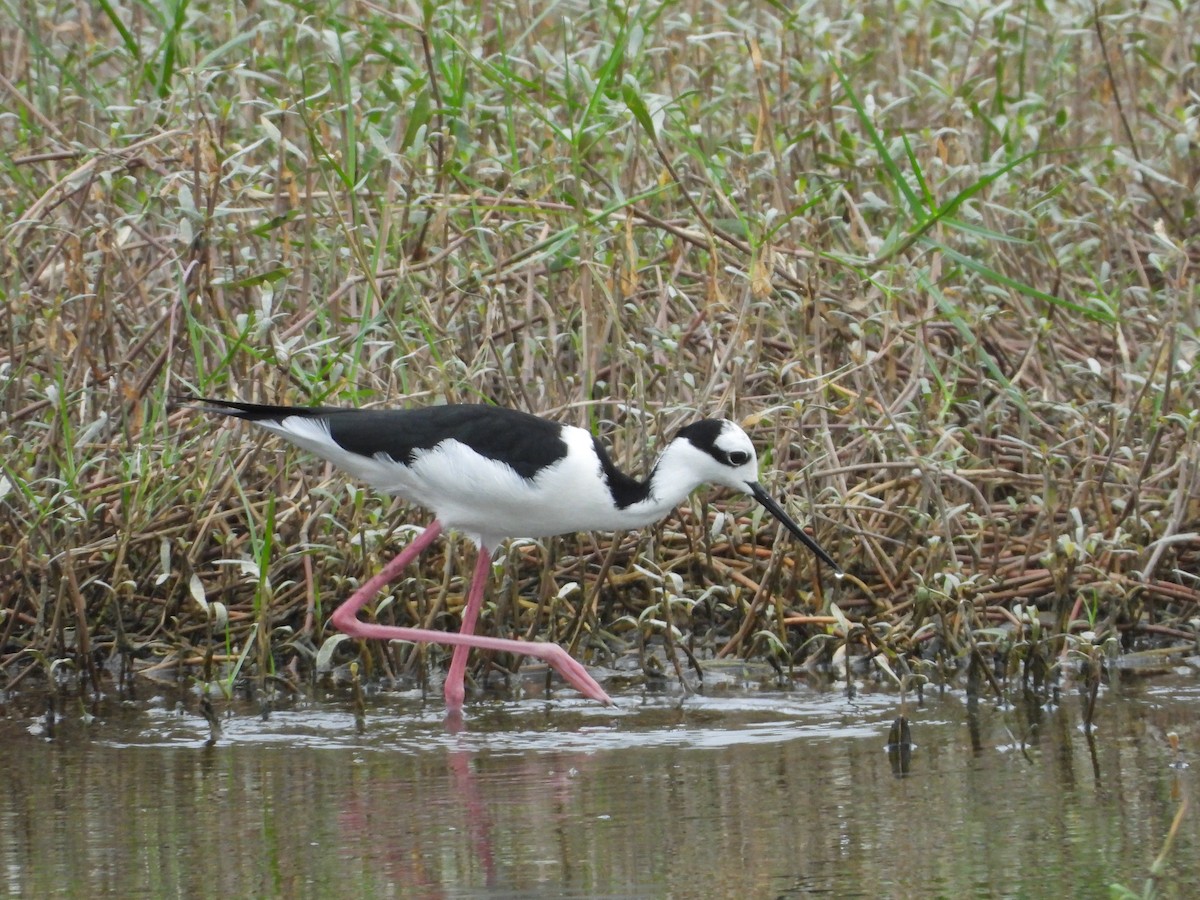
[762, 794]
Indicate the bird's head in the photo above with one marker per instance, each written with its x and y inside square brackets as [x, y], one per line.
[720, 452]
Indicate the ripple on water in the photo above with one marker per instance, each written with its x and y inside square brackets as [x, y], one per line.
[400, 724]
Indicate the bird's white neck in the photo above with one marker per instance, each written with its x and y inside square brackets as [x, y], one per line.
[672, 479]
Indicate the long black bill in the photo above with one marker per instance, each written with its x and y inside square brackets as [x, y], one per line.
[757, 492]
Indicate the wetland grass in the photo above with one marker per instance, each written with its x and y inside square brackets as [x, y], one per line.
[940, 259]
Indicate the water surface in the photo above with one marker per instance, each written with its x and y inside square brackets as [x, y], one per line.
[758, 794]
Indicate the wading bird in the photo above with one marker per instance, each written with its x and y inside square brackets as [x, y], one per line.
[492, 474]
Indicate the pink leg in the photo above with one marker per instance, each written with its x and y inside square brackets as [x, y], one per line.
[345, 618]
[456, 678]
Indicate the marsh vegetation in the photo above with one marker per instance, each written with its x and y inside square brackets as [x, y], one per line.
[940, 259]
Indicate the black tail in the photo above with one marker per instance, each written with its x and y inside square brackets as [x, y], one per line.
[252, 412]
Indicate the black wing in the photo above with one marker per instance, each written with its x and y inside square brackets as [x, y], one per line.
[525, 442]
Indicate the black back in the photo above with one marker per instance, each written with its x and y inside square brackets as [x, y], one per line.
[525, 442]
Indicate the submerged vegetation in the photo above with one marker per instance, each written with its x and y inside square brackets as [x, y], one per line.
[940, 259]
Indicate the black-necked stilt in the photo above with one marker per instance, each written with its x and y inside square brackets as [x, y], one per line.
[494, 473]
